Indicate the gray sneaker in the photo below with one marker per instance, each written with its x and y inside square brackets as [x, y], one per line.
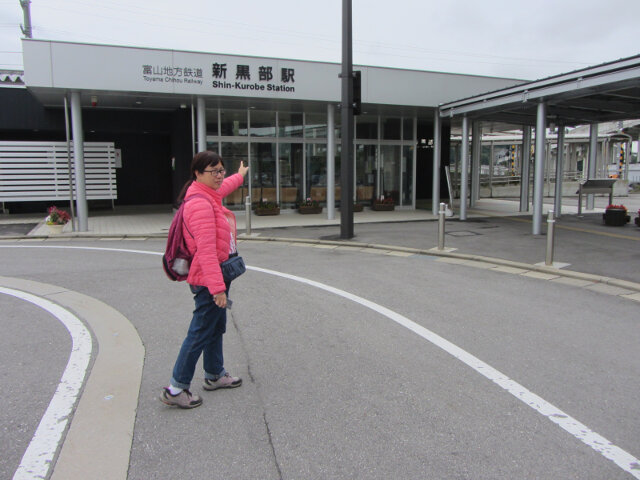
[185, 399]
[226, 381]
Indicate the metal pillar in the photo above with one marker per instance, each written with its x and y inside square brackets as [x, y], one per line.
[593, 155]
[491, 154]
[476, 145]
[331, 163]
[201, 127]
[78, 156]
[347, 177]
[67, 132]
[464, 166]
[437, 161]
[441, 213]
[538, 180]
[550, 239]
[247, 212]
[557, 208]
[525, 164]
[26, 12]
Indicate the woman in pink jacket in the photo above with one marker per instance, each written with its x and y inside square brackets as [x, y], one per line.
[209, 231]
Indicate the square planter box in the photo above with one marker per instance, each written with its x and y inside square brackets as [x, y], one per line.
[306, 209]
[357, 207]
[383, 207]
[267, 211]
[615, 217]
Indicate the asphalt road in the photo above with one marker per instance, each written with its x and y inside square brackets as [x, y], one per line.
[334, 388]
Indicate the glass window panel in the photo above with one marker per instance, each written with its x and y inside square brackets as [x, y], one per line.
[407, 175]
[315, 125]
[290, 124]
[233, 123]
[390, 181]
[365, 173]
[485, 158]
[290, 173]
[263, 124]
[391, 128]
[212, 143]
[211, 115]
[367, 127]
[407, 129]
[232, 155]
[317, 172]
[337, 166]
[263, 172]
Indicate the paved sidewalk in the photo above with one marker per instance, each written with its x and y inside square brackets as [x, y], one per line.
[495, 229]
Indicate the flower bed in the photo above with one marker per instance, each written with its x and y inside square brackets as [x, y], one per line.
[383, 204]
[309, 207]
[267, 208]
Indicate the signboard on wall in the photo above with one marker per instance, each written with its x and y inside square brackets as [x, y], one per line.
[103, 67]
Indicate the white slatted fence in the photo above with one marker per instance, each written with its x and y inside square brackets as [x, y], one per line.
[32, 171]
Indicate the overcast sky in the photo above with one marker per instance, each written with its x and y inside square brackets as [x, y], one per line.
[510, 38]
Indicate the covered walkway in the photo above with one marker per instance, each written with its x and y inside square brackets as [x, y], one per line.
[606, 92]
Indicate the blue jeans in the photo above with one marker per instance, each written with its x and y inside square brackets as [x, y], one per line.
[208, 324]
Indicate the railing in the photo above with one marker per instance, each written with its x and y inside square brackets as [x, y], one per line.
[32, 171]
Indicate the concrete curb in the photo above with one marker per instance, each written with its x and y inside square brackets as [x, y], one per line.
[101, 430]
[628, 285]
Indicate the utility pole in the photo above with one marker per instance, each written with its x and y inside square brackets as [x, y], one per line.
[346, 129]
[26, 10]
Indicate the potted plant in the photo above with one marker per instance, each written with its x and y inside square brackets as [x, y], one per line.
[616, 215]
[383, 204]
[309, 206]
[357, 207]
[57, 219]
[265, 207]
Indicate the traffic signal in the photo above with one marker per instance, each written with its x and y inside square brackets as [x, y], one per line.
[357, 97]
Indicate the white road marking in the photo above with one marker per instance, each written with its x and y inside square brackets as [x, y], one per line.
[620, 457]
[38, 457]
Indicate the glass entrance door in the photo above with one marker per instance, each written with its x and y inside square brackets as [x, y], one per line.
[263, 172]
[366, 171]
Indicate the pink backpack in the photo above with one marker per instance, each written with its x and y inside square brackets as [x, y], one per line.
[177, 259]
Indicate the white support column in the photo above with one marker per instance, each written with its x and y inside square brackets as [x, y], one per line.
[476, 145]
[538, 180]
[464, 167]
[525, 164]
[82, 207]
[437, 163]
[593, 155]
[331, 162]
[491, 154]
[201, 127]
[557, 208]
[414, 160]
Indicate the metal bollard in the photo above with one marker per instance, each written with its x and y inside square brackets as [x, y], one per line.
[248, 214]
[550, 240]
[441, 213]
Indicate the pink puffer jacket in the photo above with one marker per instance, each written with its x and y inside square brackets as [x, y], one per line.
[207, 232]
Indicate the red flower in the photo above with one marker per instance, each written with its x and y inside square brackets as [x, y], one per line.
[57, 216]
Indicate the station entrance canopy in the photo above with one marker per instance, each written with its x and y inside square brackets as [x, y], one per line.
[606, 92]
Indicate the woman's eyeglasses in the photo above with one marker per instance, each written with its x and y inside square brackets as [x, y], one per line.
[215, 172]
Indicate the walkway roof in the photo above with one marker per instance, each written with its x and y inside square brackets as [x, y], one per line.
[606, 92]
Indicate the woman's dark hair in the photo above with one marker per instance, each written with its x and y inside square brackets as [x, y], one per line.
[200, 162]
